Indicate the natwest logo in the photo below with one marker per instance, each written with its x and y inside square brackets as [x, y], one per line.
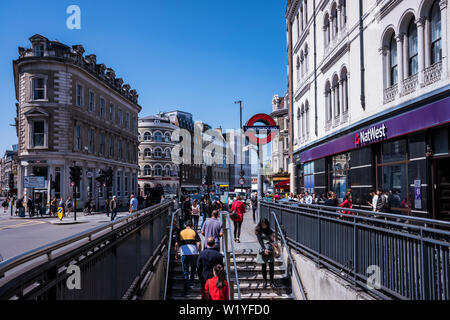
[370, 135]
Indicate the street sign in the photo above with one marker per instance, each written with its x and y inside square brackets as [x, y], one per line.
[241, 181]
[34, 182]
[270, 126]
[60, 213]
[89, 174]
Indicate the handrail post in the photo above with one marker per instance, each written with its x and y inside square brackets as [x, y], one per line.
[226, 251]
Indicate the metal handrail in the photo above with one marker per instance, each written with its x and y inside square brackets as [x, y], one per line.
[333, 210]
[226, 269]
[168, 253]
[20, 259]
[234, 258]
[294, 268]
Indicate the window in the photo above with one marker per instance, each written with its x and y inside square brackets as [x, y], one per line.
[158, 153]
[119, 184]
[168, 153]
[147, 171]
[111, 147]
[102, 107]
[127, 121]
[158, 136]
[39, 50]
[147, 136]
[111, 112]
[339, 175]
[307, 119]
[91, 101]
[119, 114]
[91, 141]
[126, 184]
[436, 36]
[38, 89]
[38, 134]
[158, 170]
[119, 148]
[328, 102]
[147, 153]
[326, 28]
[167, 171]
[167, 137]
[79, 94]
[393, 61]
[413, 59]
[102, 144]
[78, 141]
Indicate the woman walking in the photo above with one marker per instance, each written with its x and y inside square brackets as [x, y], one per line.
[237, 215]
[195, 213]
[69, 205]
[5, 205]
[53, 206]
[347, 203]
[216, 288]
[205, 207]
[265, 256]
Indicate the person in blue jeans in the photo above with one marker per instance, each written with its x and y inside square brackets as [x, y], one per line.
[205, 207]
[113, 208]
[189, 243]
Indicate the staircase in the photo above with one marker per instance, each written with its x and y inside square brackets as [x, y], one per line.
[251, 281]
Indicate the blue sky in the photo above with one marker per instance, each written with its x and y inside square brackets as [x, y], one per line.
[193, 55]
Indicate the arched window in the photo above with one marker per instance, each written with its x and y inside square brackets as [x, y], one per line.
[167, 136]
[436, 35]
[158, 153]
[147, 136]
[299, 123]
[302, 64]
[344, 84]
[167, 171]
[328, 102]
[336, 102]
[413, 50]
[298, 69]
[147, 171]
[334, 19]
[307, 118]
[303, 122]
[306, 59]
[158, 136]
[157, 170]
[326, 29]
[393, 60]
[167, 152]
[147, 152]
[344, 12]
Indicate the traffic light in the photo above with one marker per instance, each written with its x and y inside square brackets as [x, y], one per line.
[75, 173]
[11, 181]
[109, 177]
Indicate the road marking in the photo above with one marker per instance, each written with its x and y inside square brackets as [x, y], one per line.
[20, 225]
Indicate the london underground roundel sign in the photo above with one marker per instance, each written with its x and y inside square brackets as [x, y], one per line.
[269, 125]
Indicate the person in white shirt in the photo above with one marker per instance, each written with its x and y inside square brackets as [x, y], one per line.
[373, 204]
[308, 198]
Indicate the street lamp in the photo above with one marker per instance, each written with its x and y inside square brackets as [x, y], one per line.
[240, 117]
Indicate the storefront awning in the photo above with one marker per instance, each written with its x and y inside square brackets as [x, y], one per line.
[283, 185]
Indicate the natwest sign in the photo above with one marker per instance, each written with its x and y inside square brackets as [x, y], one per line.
[371, 135]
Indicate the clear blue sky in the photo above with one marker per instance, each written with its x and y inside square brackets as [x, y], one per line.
[193, 55]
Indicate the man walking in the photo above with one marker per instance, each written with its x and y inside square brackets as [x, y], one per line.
[190, 245]
[113, 208]
[133, 204]
[213, 229]
[207, 260]
[254, 205]
[186, 209]
[308, 198]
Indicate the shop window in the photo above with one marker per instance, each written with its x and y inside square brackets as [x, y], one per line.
[339, 175]
[309, 177]
[440, 141]
[393, 151]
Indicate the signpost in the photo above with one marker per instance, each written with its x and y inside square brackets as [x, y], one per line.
[60, 213]
[34, 182]
[252, 132]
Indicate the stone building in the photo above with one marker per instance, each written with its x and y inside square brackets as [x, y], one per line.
[72, 110]
[155, 159]
[8, 165]
[369, 91]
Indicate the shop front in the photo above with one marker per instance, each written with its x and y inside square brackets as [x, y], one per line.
[406, 155]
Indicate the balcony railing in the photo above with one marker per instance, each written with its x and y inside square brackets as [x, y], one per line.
[410, 84]
[432, 74]
[390, 93]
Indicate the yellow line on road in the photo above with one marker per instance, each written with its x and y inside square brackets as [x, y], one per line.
[23, 224]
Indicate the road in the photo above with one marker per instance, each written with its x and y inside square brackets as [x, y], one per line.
[18, 235]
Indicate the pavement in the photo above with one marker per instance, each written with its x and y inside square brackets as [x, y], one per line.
[19, 235]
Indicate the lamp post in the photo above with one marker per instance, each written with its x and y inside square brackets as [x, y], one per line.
[240, 119]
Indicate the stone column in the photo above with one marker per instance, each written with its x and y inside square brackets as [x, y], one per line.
[427, 42]
[305, 20]
[444, 29]
[342, 97]
[421, 48]
[405, 57]
[400, 58]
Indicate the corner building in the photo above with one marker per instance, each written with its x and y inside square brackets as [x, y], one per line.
[370, 103]
[72, 110]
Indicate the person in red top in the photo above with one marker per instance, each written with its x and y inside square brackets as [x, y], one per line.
[347, 203]
[237, 215]
[217, 287]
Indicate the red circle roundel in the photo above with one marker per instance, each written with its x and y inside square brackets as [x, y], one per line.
[268, 121]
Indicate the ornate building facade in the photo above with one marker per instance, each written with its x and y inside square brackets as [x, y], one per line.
[155, 153]
[73, 111]
[369, 88]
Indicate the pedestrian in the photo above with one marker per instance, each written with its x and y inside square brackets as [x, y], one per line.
[195, 212]
[216, 288]
[207, 259]
[254, 205]
[237, 215]
[373, 200]
[186, 209]
[308, 198]
[382, 202]
[230, 202]
[53, 206]
[205, 208]
[347, 203]
[5, 205]
[30, 207]
[265, 256]
[88, 206]
[133, 204]
[113, 208]
[189, 243]
[62, 204]
[213, 229]
[176, 204]
[69, 205]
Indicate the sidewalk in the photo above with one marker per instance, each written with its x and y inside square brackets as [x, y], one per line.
[81, 218]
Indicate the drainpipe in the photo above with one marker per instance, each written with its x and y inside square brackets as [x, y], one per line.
[361, 50]
[315, 69]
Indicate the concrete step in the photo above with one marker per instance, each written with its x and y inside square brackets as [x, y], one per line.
[242, 278]
[245, 288]
[242, 270]
[240, 262]
[246, 296]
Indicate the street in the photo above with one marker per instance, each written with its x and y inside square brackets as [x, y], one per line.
[19, 235]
